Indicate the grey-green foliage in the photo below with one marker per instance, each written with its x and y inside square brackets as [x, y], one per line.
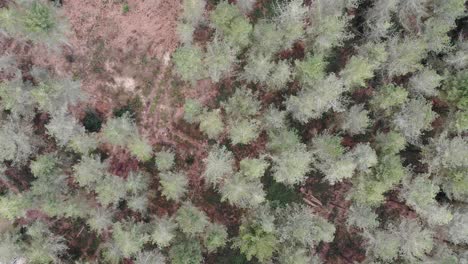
[258, 68]
[100, 219]
[165, 160]
[312, 102]
[64, 127]
[363, 217]
[328, 21]
[219, 59]
[411, 13]
[193, 11]
[242, 191]
[17, 142]
[150, 257]
[364, 157]
[415, 117]
[191, 220]
[164, 231]
[17, 98]
[119, 130]
[457, 229]
[290, 18]
[280, 75]
[211, 123]
[243, 131]
[218, 164]
[173, 185]
[242, 104]
[425, 82]
[405, 55]
[128, 238]
[9, 249]
[44, 246]
[38, 21]
[89, 170]
[420, 194]
[390, 143]
[298, 226]
[379, 18]
[355, 120]
[291, 166]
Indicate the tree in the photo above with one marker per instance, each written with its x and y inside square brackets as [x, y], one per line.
[218, 164]
[290, 167]
[243, 131]
[379, 18]
[457, 231]
[44, 246]
[219, 58]
[355, 120]
[187, 251]
[140, 148]
[211, 123]
[362, 217]
[191, 220]
[253, 168]
[173, 185]
[164, 231]
[258, 68]
[192, 111]
[129, 238]
[193, 11]
[280, 76]
[425, 82]
[297, 226]
[150, 257]
[415, 117]
[405, 55]
[389, 97]
[17, 141]
[188, 63]
[89, 171]
[100, 219]
[311, 69]
[119, 130]
[290, 18]
[228, 21]
[242, 104]
[215, 237]
[242, 192]
[64, 127]
[311, 103]
[255, 241]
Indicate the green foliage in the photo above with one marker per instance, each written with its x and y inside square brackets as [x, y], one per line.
[215, 237]
[228, 20]
[186, 252]
[188, 63]
[129, 238]
[89, 171]
[388, 97]
[191, 220]
[357, 71]
[192, 111]
[242, 191]
[218, 164]
[311, 69]
[253, 168]
[165, 160]
[44, 165]
[291, 166]
[173, 185]
[390, 143]
[164, 231]
[456, 91]
[255, 241]
[140, 148]
[37, 21]
[211, 123]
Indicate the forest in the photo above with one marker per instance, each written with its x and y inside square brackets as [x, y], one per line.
[233, 132]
